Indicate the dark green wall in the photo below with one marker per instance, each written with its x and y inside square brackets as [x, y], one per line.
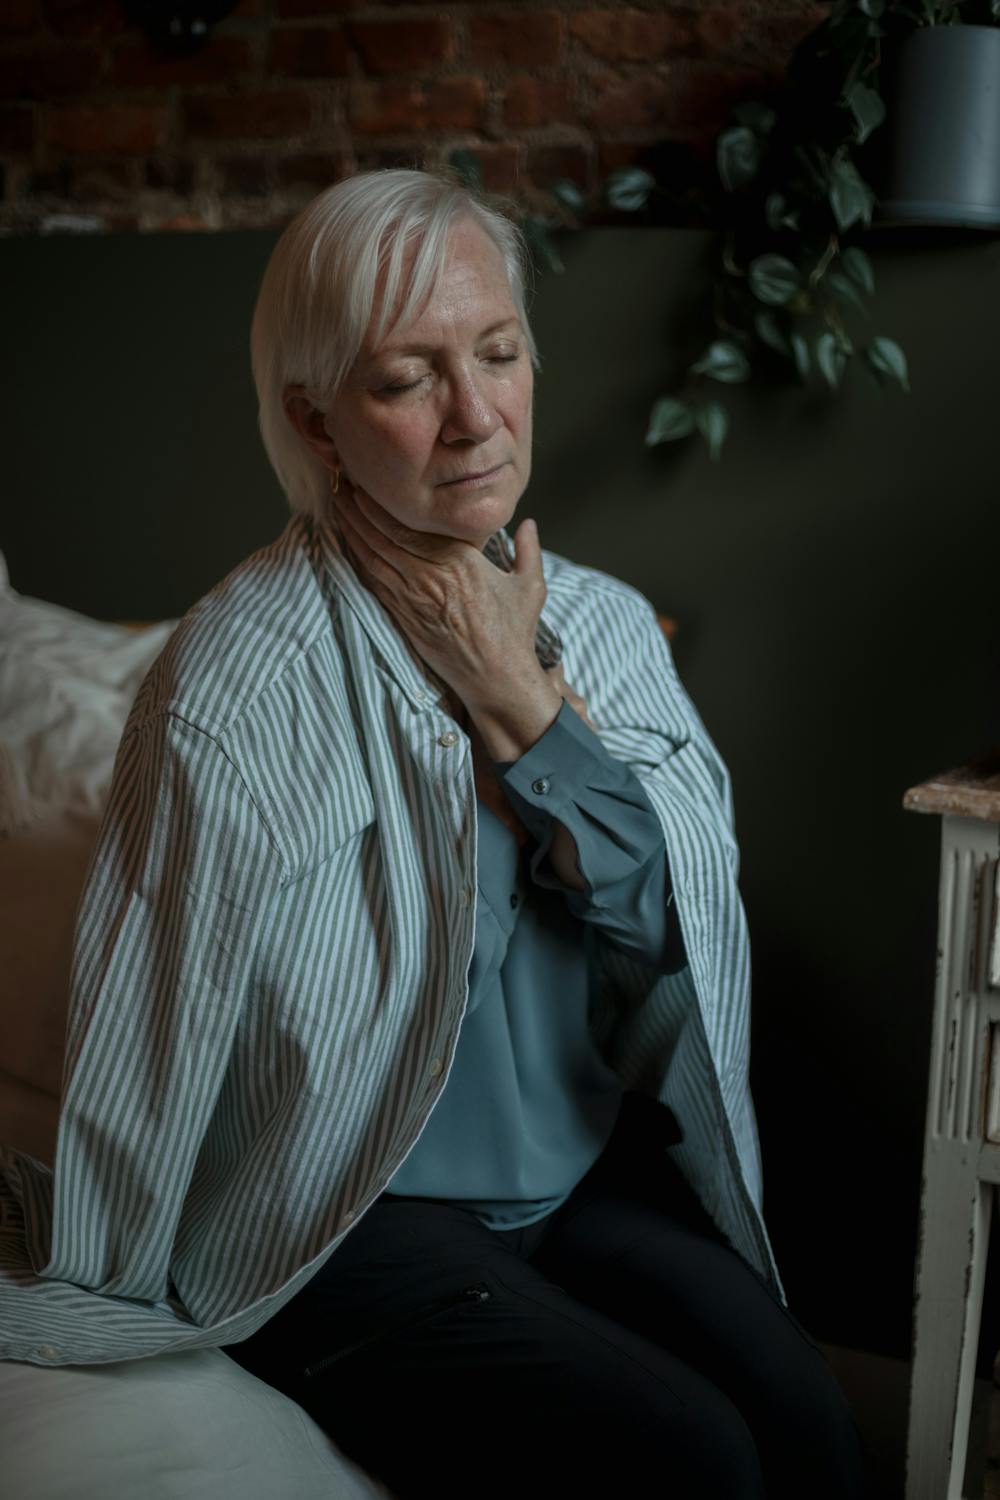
[835, 579]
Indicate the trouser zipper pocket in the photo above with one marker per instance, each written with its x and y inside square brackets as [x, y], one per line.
[480, 1292]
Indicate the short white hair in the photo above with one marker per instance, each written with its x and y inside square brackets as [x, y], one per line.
[318, 292]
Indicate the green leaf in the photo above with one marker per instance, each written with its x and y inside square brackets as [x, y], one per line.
[774, 213]
[867, 108]
[888, 361]
[536, 232]
[871, 8]
[800, 349]
[831, 358]
[845, 291]
[774, 279]
[771, 333]
[857, 265]
[774, 208]
[628, 188]
[995, 9]
[713, 424]
[568, 194]
[756, 116]
[466, 164]
[850, 196]
[724, 361]
[737, 157]
[668, 420]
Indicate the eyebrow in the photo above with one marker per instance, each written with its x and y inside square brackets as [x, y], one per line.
[397, 349]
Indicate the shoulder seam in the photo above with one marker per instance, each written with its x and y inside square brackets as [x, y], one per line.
[215, 735]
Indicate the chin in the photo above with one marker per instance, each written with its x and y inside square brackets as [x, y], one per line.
[476, 520]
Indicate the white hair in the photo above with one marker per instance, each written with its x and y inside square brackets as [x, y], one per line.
[318, 292]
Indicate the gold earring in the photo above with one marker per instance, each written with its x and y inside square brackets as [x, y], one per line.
[335, 479]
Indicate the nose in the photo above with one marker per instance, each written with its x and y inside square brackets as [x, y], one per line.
[469, 415]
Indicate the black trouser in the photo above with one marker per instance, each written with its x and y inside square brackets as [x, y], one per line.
[619, 1347]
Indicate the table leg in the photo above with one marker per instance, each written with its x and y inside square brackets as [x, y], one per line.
[956, 1213]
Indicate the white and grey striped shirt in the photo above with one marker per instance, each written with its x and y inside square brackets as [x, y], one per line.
[272, 949]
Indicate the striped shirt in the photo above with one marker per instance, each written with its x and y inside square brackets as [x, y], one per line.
[272, 949]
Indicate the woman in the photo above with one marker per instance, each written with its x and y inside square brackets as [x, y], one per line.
[411, 910]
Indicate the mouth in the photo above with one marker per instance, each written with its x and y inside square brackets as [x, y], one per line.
[472, 480]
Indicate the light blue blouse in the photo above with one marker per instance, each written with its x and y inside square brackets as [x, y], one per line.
[529, 1103]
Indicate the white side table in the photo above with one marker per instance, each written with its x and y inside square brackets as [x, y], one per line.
[962, 1136]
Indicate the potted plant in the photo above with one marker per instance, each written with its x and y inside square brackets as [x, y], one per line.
[791, 279]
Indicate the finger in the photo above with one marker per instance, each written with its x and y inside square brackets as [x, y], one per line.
[527, 548]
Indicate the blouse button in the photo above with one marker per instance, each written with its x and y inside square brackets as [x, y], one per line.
[513, 902]
[448, 738]
[540, 786]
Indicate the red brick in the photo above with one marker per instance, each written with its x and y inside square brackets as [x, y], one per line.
[402, 46]
[315, 171]
[244, 176]
[170, 174]
[118, 129]
[87, 17]
[17, 129]
[391, 108]
[523, 38]
[183, 222]
[310, 52]
[19, 17]
[457, 103]
[640, 101]
[500, 166]
[733, 33]
[296, 10]
[385, 108]
[546, 164]
[411, 158]
[40, 74]
[246, 116]
[632, 35]
[114, 181]
[138, 65]
[700, 96]
[538, 101]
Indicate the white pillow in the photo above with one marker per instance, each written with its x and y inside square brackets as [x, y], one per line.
[188, 1426]
[67, 683]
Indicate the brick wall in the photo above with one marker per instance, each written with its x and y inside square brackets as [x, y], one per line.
[100, 130]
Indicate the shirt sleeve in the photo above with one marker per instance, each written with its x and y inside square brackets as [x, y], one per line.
[568, 776]
[171, 916]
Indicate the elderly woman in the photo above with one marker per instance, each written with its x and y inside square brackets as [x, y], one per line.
[408, 1044]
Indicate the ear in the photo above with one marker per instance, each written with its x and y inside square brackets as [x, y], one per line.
[308, 423]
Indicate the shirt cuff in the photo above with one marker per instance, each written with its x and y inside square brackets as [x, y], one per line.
[554, 772]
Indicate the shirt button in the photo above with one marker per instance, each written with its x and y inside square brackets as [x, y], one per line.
[466, 896]
[348, 1217]
[48, 1351]
[448, 738]
[540, 786]
[435, 1067]
[513, 902]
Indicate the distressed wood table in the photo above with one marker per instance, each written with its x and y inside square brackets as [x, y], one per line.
[961, 1167]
